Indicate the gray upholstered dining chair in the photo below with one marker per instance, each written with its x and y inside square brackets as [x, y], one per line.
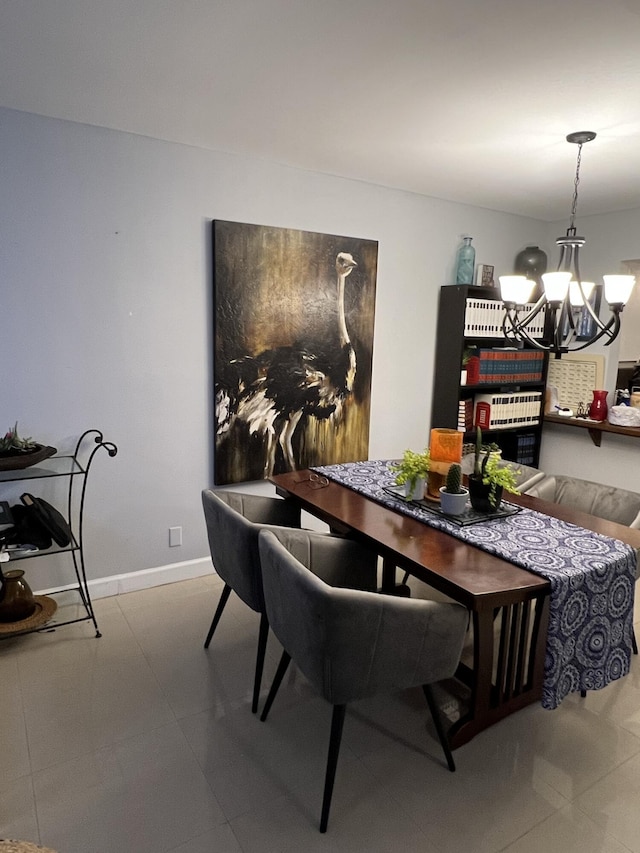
[349, 643]
[234, 520]
[608, 502]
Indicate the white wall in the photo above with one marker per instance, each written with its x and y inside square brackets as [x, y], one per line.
[611, 238]
[105, 266]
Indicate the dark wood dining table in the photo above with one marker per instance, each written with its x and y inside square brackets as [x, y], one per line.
[509, 605]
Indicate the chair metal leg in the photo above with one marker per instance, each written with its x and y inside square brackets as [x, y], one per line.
[285, 660]
[216, 618]
[437, 721]
[337, 723]
[262, 648]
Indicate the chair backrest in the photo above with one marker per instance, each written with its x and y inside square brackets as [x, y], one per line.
[352, 643]
[526, 476]
[234, 520]
[606, 502]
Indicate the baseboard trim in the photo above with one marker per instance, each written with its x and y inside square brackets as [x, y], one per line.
[146, 578]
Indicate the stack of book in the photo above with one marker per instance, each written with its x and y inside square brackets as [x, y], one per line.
[483, 319]
[507, 410]
[465, 415]
[505, 365]
[526, 448]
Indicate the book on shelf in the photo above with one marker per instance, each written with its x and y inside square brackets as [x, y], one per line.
[506, 364]
[526, 448]
[484, 275]
[483, 319]
[507, 410]
[465, 415]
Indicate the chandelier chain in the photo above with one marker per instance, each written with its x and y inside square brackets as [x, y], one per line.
[576, 182]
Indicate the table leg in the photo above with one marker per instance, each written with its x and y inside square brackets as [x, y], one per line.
[508, 678]
[389, 585]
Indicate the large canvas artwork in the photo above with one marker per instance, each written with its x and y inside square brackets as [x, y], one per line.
[293, 343]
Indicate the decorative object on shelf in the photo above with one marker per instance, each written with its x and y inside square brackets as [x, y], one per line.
[44, 610]
[465, 262]
[453, 495]
[16, 452]
[598, 410]
[531, 263]
[489, 479]
[571, 322]
[484, 275]
[445, 447]
[412, 472]
[16, 599]
[625, 416]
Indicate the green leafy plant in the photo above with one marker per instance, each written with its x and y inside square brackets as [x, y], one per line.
[496, 474]
[453, 483]
[492, 471]
[411, 468]
[482, 453]
[12, 443]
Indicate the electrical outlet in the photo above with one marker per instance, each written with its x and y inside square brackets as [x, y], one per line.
[175, 536]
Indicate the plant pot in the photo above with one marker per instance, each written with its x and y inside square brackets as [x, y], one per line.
[415, 491]
[16, 460]
[480, 495]
[453, 504]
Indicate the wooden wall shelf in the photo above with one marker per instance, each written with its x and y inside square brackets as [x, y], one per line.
[594, 428]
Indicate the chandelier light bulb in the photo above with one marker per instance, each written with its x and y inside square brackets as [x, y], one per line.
[556, 285]
[516, 289]
[617, 288]
[575, 297]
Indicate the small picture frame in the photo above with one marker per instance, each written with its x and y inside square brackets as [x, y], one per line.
[484, 275]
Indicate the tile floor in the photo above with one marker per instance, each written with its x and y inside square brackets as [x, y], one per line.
[142, 742]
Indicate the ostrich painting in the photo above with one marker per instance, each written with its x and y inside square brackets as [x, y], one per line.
[292, 357]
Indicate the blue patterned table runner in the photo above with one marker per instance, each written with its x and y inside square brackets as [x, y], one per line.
[592, 580]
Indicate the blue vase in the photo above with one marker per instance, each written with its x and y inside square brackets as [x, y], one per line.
[466, 262]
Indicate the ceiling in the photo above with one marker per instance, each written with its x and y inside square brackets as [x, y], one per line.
[467, 100]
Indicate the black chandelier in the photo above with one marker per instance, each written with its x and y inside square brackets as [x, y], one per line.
[566, 296]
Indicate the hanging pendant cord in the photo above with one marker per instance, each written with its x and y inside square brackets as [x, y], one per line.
[574, 204]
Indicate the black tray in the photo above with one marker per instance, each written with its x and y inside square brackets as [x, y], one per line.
[470, 516]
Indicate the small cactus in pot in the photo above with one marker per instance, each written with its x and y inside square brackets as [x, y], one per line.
[454, 479]
[453, 495]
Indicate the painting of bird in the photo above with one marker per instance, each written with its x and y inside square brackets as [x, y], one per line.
[292, 363]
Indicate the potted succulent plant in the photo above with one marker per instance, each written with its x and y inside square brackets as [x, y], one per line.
[412, 472]
[16, 452]
[489, 479]
[453, 495]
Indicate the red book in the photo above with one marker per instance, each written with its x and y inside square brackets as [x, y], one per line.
[473, 370]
